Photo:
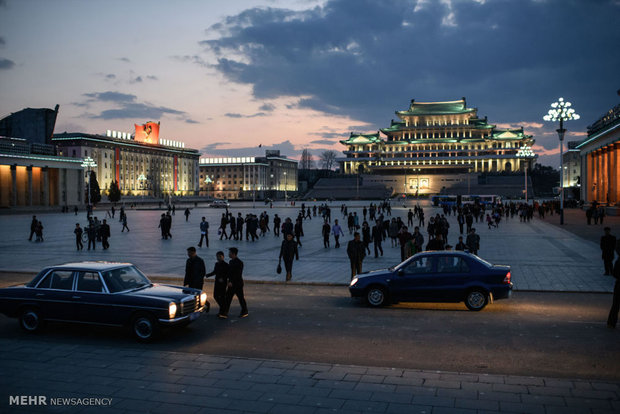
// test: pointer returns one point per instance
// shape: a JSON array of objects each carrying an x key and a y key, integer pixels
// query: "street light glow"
[{"x": 561, "y": 111}]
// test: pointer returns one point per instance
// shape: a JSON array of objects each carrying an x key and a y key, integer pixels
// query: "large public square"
[{"x": 307, "y": 346}]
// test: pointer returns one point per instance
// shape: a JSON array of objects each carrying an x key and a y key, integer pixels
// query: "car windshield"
[
  {"x": 124, "y": 278},
  {"x": 484, "y": 262}
]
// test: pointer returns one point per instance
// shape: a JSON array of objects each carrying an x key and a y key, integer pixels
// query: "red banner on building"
[{"x": 148, "y": 133}]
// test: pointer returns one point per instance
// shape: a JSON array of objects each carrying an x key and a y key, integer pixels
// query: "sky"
[{"x": 227, "y": 76}]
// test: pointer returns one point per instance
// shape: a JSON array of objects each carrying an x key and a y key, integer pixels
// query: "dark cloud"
[
  {"x": 331, "y": 135},
  {"x": 127, "y": 106},
  {"x": 110, "y": 76},
  {"x": 6, "y": 64},
  {"x": 267, "y": 107},
  {"x": 137, "y": 111},
  {"x": 124, "y": 59},
  {"x": 111, "y": 96},
  {"x": 236, "y": 115},
  {"x": 195, "y": 59},
  {"x": 152, "y": 77},
  {"x": 365, "y": 59},
  {"x": 286, "y": 148},
  {"x": 323, "y": 141},
  {"x": 2, "y": 41},
  {"x": 191, "y": 121},
  {"x": 137, "y": 79}
]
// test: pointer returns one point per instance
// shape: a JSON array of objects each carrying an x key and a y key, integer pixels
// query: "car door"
[
  {"x": 411, "y": 281},
  {"x": 92, "y": 302},
  {"x": 54, "y": 294}
]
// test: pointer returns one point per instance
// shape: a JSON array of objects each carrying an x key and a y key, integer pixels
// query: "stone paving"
[
  {"x": 142, "y": 380},
  {"x": 543, "y": 256}
]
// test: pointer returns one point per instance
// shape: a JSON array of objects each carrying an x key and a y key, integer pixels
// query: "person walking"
[
  {"x": 403, "y": 237},
  {"x": 377, "y": 238},
  {"x": 356, "y": 253},
  {"x": 187, "y": 213},
  {"x": 235, "y": 282},
  {"x": 288, "y": 252},
  {"x": 222, "y": 229},
  {"x": 91, "y": 232},
  {"x": 287, "y": 227},
  {"x": 78, "y": 236},
  {"x": 326, "y": 230},
  {"x": 460, "y": 245},
  {"x": 124, "y": 222},
  {"x": 612, "y": 319},
  {"x": 220, "y": 270},
  {"x": 204, "y": 235},
  {"x": 473, "y": 241},
  {"x": 195, "y": 270},
  {"x": 419, "y": 239},
  {"x": 104, "y": 231},
  {"x": 33, "y": 227},
  {"x": 366, "y": 236},
  {"x": 337, "y": 232},
  {"x": 168, "y": 225},
  {"x": 38, "y": 231},
  {"x": 608, "y": 245},
  {"x": 461, "y": 220},
  {"x": 410, "y": 218},
  {"x": 298, "y": 231},
  {"x": 239, "y": 226},
  {"x": 162, "y": 226},
  {"x": 276, "y": 225}
]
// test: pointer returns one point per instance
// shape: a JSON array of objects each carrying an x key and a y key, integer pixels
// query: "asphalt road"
[{"x": 538, "y": 334}]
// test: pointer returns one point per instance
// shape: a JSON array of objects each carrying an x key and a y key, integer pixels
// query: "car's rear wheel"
[
  {"x": 31, "y": 320},
  {"x": 144, "y": 327},
  {"x": 376, "y": 296},
  {"x": 476, "y": 299}
]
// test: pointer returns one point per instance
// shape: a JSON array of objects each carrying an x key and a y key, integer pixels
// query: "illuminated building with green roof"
[{"x": 434, "y": 143}]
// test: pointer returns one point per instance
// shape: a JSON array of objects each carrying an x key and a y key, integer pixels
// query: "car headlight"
[
  {"x": 203, "y": 299},
  {"x": 354, "y": 281},
  {"x": 172, "y": 310}
]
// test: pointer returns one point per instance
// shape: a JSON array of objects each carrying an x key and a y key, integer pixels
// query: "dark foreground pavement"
[{"x": 112, "y": 380}]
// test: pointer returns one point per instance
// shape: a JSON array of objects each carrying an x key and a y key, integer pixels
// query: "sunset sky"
[{"x": 225, "y": 76}]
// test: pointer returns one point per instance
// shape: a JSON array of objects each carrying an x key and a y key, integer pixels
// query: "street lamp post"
[
  {"x": 525, "y": 152},
  {"x": 561, "y": 111},
  {"x": 88, "y": 163},
  {"x": 142, "y": 179}
]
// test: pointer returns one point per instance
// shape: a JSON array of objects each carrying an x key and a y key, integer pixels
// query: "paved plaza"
[
  {"x": 543, "y": 256},
  {"x": 135, "y": 380}
]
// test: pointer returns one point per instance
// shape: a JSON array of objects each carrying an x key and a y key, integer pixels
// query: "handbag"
[{"x": 279, "y": 268}]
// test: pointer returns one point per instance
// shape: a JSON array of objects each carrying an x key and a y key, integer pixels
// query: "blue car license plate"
[{"x": 194, "y": 315}]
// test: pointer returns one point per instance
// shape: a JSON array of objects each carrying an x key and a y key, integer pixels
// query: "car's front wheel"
[
  {"x": 476, "y": 299},
  {"x": 30, "y": 320},
  {"x": 144, "y": 327},
  {"x": 376, "y": 296}
]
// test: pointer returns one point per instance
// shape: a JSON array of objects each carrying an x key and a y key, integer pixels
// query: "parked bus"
[{"x": 450, "y": 200}]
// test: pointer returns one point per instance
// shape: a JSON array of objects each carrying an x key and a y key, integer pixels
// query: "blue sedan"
[{"x": 435, "y": 276}]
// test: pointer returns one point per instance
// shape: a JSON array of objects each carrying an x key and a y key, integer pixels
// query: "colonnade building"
[
  {"x": 600, "y": 160},
  {"x": 140, "y": 164},
  {"x": 436, "y": 145}
]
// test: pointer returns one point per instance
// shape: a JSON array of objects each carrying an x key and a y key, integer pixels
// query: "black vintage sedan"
[
  {"x": 435, "y": 276},
  {"x": 103, "y": 293}
]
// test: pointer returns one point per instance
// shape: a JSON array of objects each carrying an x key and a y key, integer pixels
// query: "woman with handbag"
[{"x": 288, "y": 252}]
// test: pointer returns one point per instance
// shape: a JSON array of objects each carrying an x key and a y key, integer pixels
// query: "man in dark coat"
[
  {"x": 235, "y": 282},
  {"x": 91, "y": 232},
  {"x": 239, "y": 227},
  {"x": 33, "y": 227},
  {"x": 288, "y": 252},
  {"x": 204, "y": 232},
  {"x": 78, "y": 236},
  {"x": 220, "y": 270},
  {"x": 104, "y": 231},
  {"x": 612, "y": 320},
  {"x": 326, "y": 230},
  {"x": 276, "y": 225},
  {"x": 377, "y": 238},
  {"x": 194, "y": 270},
  {"x": 162, "y": 226},
  {"x": 473, "y": 241},
  {"x": 356, "y": 252},
  {"x": 287, "y": 227},
  {"x": 608, "y": 245}
]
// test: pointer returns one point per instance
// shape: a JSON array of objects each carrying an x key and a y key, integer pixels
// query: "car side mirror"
[{"x": 401, "y": 272}]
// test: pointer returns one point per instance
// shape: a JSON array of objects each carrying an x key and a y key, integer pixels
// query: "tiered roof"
[{"x": 437, "y": 108}]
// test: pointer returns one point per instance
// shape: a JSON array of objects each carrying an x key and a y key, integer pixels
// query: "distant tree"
[
  {"x": 95, "y": 191},
  {"x": 307, "y": 160},
  {"x": 327, "y": 159},
  {"x": 114, "y": 194}
]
